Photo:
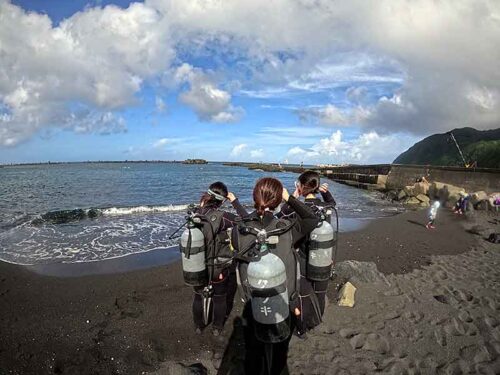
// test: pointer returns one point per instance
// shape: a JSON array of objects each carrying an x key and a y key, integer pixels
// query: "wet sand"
[{"x": 139, "y": 322}]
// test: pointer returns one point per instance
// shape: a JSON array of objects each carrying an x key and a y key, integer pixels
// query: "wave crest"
[{"x": 66, "y": 216}]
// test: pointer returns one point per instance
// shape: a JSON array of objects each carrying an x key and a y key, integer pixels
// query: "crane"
[{"x": 466, "y": 164}]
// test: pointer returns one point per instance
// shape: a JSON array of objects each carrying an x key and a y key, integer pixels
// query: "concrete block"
[
  {"x": 412, "y": 200},
  {"x": 421, "y": 188},
  {"x": 423, "y": 198},
  {"x": 409, "y": 191},
  {"x": 478, "y": 196},
  {"x": 401, "y": 195}
]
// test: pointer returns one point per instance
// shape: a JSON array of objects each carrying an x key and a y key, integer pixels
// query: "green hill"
[{"x": 480, "y": 146}]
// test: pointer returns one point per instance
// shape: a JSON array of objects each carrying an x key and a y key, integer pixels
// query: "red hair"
[{"x": 267, "y": 193}]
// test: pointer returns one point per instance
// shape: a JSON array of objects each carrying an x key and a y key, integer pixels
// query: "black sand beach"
[{"x": 140, "y": 322}]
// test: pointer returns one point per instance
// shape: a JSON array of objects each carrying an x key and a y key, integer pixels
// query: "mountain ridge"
[{"x": 480, "y": 146}]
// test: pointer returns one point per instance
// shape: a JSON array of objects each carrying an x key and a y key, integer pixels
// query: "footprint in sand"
[
  {"x": 414, "y": 317},
  {"x": 376, "y": 343},
  {"x": 358, "y": 341},
  {"x": 440, "y": 336}
]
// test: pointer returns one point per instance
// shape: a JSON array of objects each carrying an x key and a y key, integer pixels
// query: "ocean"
[{"x": 85, "y": 212}]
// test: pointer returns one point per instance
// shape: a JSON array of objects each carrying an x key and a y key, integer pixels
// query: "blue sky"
[{"x": 250, "y": 81}]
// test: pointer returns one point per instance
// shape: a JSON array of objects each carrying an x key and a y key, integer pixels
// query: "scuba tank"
[
  {"x": 267, "y": 282},
  {"x": 321, "y": 244},
  {"x": 192, "y": 246}
]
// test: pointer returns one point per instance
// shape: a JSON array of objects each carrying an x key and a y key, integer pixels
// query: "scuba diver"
[
  {"x": 268, "y": 270},
  {"x": 316, "y": 251},
  {"x": 214, "y": 281}
]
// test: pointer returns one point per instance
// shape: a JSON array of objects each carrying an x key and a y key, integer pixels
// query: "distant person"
[
  {"x": 215, "y": 307},
  {"x": 432, "y": 215},
  {"x": 312, "y": 293},
  {"x": 269, "y": 322},
  {"x": 422, "y": 179},
  {"x": 461, "y": 204}
]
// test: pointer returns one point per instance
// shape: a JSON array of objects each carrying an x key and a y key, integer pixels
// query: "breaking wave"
[{"x": 66, "y": 216}]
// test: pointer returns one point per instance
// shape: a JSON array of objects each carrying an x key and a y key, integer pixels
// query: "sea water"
[{"x": 85, "y": 212}]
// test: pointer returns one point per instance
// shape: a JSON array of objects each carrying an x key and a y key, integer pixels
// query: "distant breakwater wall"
[
  {"x": 471, "y": 179},
  {"x": 396, "y": 176},
  {"x": 393, "y": 176}
]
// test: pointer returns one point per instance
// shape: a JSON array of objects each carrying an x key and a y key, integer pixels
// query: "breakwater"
[{"x": 394, "y": 176}]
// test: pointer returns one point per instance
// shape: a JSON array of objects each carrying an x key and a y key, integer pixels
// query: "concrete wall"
[
  {"x": 399, "y": 176},
  {"x": 470, "y": 179}
]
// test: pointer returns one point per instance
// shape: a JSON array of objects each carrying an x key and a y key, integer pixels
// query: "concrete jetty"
[{"x": 395, "y": 176}]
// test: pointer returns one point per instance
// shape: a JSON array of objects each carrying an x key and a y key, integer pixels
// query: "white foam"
[{"x": 143, "y": 209}]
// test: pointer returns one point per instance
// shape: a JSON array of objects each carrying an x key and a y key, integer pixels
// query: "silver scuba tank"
[
  {"x": 320, "y": 256},
  {"x": 267, "y": 280},
  {"x": 192, "y": 246}
]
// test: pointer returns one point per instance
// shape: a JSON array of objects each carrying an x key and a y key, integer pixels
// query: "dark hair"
[
  {"x": 209, "y": 200},
  {"x": 267, "y": 193},
  {"x": 310, "y": 182}
]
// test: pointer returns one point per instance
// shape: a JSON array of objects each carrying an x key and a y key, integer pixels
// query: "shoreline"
[
  {"x": 140, "y": 321},
  {"x": 151, "y": 258}
]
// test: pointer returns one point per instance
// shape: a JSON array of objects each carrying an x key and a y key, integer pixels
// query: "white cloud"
[
  {"x": 258, "y": 153},
  {"x": 162, "y": 142},
  {"x": 366, "y": 148},
  {"x": 444, "y": 55},
  {"x": 209, "y": 102},
  {"x": 238, "y": 149},
  {"x": 100, "y": 123},
  {"x": 332, "y": 115},
  {"x": 95, "y": 61}
]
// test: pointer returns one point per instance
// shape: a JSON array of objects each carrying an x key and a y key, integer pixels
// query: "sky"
[{"x": 313, "y": 81}]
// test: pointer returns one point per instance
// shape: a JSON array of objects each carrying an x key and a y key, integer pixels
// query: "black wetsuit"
[
  {"x": 312, "y": 294},
  {"x": 223, "y": 280},
  {"x": 255, "y": 359}
]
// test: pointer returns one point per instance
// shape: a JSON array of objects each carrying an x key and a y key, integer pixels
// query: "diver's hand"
[
  {"x": 323, "y": 188},
  {"x": 231, "y": 197},
  {"x": 285, "y": 195}
]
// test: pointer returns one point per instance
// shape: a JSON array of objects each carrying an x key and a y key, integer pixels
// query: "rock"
[
  {"x": 423, "y": 198},
  {"x": 445, "y": 192},
  {"x": 409, "y": 191},
  {"x": 412, "y": 201},
  {"x": 478, "y": 196},
  {"x": 435, "y": 188},
  {"x": 347, "y": 295},
  {"x": 401, "y": 195},
  {"x": 421, "y": 188},
  {"x": 365, "y": 272},
  {"x": 392, "y": 195}
]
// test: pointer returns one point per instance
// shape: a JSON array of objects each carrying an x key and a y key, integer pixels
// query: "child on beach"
[
  {"x": 461, "y": 205},
  {"x": 432, "y": 215}
]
